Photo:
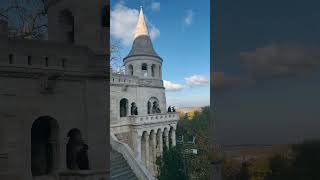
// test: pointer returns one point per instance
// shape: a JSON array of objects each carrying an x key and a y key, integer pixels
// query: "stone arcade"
[
  {"x": 139, "y": 121},
  {"x": 53, "y": 115}
]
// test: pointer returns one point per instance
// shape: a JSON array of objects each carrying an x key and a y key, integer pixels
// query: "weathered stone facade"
[
  {"x": 151, "y": 128},
  {"x": 49, "y": 88}
]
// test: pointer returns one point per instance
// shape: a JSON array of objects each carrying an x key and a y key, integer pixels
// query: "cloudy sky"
[
  {"x": 266, "y": 71},
  {"x": 180, "y": 31}
]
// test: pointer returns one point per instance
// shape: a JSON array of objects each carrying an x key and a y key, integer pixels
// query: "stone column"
[
  {"x": 149, "y": 71},
  {"x": 173, "y": 137},
  {"x": 146, "y": 149},
  {"x": 166, "y": 135},
  {"x": 63, "y": 153},
  {"x": 137, "y": 145},
  {"x": 160, "y": 145},
  {"x": 153, "y": 152}
]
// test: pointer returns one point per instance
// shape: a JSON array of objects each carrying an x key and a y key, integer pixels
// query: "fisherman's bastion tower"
[{"x": 139, "y": 122}]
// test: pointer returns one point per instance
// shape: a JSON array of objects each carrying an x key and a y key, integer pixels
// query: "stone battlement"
[{"x": 48, "y": 55}]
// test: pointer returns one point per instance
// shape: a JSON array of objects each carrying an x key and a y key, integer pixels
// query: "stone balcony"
[{"x": 145, "y": 120}]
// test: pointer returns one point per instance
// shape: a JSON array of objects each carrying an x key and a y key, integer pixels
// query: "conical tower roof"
[{"x": 142, "y": 45}]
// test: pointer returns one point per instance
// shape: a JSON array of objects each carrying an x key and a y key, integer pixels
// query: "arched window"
[
  {"x": 123, "y": 107},
  {"x": 66, "y": 19},
  {"x": 154, "y": 105},
  {"x": 134, "y": 109},
  {"x": 44, "y": 146},
  {"x": 160, "y": 71},
  {"x": 130, "y": 70},
  {"x": 153, "y": 67},
  {"x": 144, "y": 69}
]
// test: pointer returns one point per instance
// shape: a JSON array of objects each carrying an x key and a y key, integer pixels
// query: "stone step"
[
  {"x": 122, "y": 174},
  {"x": 119, "y": 168}
]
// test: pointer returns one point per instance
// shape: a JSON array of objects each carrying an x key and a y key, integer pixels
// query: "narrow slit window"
[
  {"x": 29, "y": 60},
  {"x": 10, "y": 58},
  {"x": 46, "y": 61}
]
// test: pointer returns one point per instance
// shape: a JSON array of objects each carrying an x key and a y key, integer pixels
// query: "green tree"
[{"x": 170, "y": 165}]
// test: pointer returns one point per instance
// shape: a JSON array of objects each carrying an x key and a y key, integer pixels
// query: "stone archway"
[{"x": 44, "y": 146}]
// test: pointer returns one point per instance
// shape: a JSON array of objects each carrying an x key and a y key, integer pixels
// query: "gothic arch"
[
  {"x": 144, "y": 69},
  {"x": 66, "y": 20},
  {"x": 44, "y": 145},
  {"x": 123, "y": 107}
]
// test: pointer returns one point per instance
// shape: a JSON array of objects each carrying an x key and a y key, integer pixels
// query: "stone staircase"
[{"x": 119, "y": 168}]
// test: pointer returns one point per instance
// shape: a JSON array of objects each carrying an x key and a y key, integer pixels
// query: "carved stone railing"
[
  {"x": 140, "y": 170},
  {"x": 137, "y": 120}
]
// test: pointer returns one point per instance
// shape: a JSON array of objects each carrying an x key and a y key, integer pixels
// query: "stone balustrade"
[
  {"x": 123, "y": 79},
  {"x": 148, "y": 119}
]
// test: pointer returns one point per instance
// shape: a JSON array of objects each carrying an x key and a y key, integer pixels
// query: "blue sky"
[
  {"x": 268, "y": 56},
  {"x": 180, "y": 32}
]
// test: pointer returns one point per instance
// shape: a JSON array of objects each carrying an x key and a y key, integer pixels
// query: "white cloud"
[
  {"x": 155, "y": 6},
  {"x": 170, "y": 86},
  {"x": 189, "y": 17},
  {"x": 197, "y": 80},
  {"x": 123, "y": 22}
]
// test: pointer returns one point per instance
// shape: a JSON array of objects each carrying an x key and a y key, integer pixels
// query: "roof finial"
[{"x": 141, "y": 28}]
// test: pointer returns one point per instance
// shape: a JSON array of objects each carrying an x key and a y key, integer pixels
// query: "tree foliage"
[
  {"x": 198, "y": 165},
  {"x": 26, "y": 18},
  {"x": 170, "y": 165},
  {"x": 301, "y": 164}
]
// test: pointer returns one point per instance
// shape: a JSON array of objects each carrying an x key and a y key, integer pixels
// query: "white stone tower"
[{"x": 142, "y": 60}]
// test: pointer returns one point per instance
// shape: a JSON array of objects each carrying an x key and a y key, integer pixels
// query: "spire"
[{"x": 141, "y": 28}]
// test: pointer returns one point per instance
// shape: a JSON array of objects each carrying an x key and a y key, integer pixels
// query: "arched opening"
[
  {"x": 164, "y": 139},
  {"x": 144, "y": 69},
  {"x": 134, "y": 109},
  {"x": 130, "y": 70},
  {"x": 123, "y": 107},
  {"x": 154, "y": 104},
  {"x": 170, "y": 137},
  {"x": 160, "y": 72},
  {"x": 44, "y": 146},
  {"x": 77, "y": 155},
  {"x": 153, "y": 68},
  {"x": 159, "y": 142},
  {"x": 66, "y": 20},
  {"x": 144, "y": 146},
  {"x": 149, "y": 107}
]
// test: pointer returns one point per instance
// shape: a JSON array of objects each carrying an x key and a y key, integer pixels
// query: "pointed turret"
[
  {"x": 142, "y": 45},
  {"x": 141, "y": 28}
]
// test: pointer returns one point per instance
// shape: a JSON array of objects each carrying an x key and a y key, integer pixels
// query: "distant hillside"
[{"x": 189, "y": 110}]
